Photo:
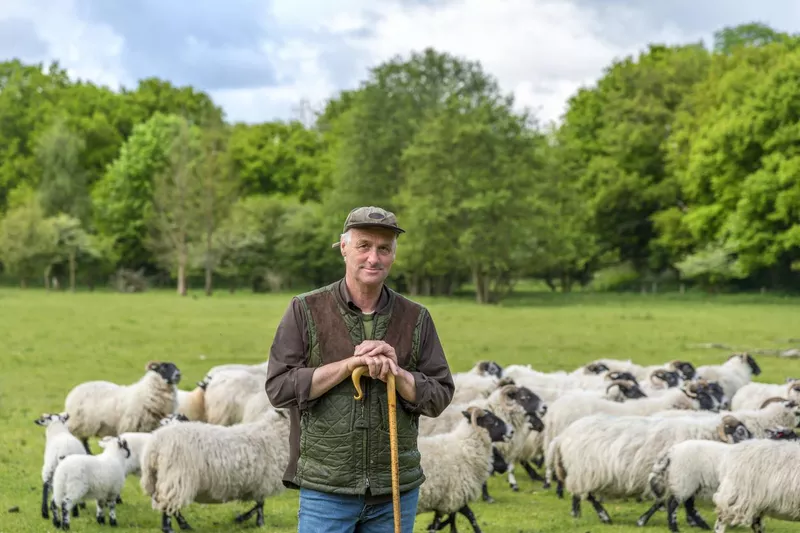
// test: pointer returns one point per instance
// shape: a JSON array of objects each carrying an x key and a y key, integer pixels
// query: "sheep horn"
[{"x": 617, "y": 383}]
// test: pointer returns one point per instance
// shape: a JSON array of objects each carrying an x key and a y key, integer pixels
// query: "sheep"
[
  {"x": 735, "y": 373},
  {"x": 485, "y": 368},
  {"x": 457, "y": 464},
  {"x": 192, "y": 403},
  {"x": 615, "y": 454},
  {"x": 690, "y": 469},
  {"x": 255, "y": 406},
  {"x": 610, "y": 455},
  {"x": 469, "y": 386},
  {"x": 753, "y": 394},
  {"x": 684, "y": 368},
  {"x": 575, "y": 406},
  {"x": 99, "y": 477},
  {"x": 259, "y": 369},
  {"x": 209, "y": 463},
  {"x": 59, "y": 443},
  {"x": 228, "y": 393},
  {"x": 758, "y": 479},
  {"x": 103, "y": 408},
  {"x": 137, "y": 440},
  {"x": 661, "y": 380}
]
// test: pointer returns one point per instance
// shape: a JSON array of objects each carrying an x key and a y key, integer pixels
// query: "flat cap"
[{"x": 370, "y": 217}]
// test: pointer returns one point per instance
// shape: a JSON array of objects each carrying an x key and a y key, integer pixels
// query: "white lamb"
[
  {"x": 759, "y": 479},
  {"x": 59, "y": 443},
  {"x": 100, "y": 477},
  {"x": 228, "y": 393},
  {"x": 614, "y": 455},
  {"x": 457, "y": 464},
  {"x": 754, "y": 394},
  {"x": 734, "y": 374},
  {"x": 103, "y": 408},
  {"x": 208, "y": 463}
]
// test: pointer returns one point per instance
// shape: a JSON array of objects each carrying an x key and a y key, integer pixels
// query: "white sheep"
[
  {"x": 753, "y": 394},
  {"x": 734, "y": 374},
  {"x": 615, "y": 454},
  {"x": 258, "y": 368},
  {"x": 136, "y": 443},
  {"x": 99, "y": 477},
  {"x": 569, "y": 408},
  {"x": 208, "y": 463},
  {"x": 759, "y": 479},
  {"x": 661, "y": 380},
  {"x": 457, "y": 464},
  {"x": 470, "y": 386},
  {"x": 690, "y": 469},
  {"x": 191, "y": 403},
  {"x": 59, "y": 443},
  {"x": 228, "y": 393},
  {"x": 103, "y": 408},
  {"x": 600, "y": 366}
]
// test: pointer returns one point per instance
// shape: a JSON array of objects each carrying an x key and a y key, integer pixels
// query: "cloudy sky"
[{"x": 259, "y": 59}]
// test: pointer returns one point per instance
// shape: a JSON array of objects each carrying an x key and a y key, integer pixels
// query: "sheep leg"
[
  {"x": 672, "y": 514},
  {"x": 166, "y": 524},
  {"x": 86, "y": 446},
  {"x": 182, "y": 523},
  {"x": 45, "y": 489},
  {"x": 598, "y": 508},
  {"x": 512, "y": 480},
  {"x": 119, "y": 499},
  {"x": 75, "y": 512},
  {"x": 466, "y": 511},
  {"x": 436, "y": 524},
  {"x": 112, "y": 512},
  {"x": 101, "y": 519},
  {"x": 82, "y": 505},
  {"x": 560, "y": 489},
  {"x": 576, "y": 506},
  {"x": 257, "y": 508},
  {"x": 757, "y": 526},
  {"x": 66, "y": 507},
  {"x": 533, "y": 474},
  {"x": 56, "y": 514},
  {"x": 693, "y": 518},
  {"x": 719, "y": 526},
  {"x": 647, "y": 515},
  {"x": 485, "y": 492}
]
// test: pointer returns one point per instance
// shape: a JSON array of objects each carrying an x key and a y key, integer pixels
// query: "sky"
[{"x": 259, "y": 60}]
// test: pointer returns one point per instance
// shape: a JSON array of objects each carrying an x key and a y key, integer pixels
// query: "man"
[{"x": 340, "y": 456}]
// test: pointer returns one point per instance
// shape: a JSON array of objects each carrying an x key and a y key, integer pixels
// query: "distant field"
[{"x": 51, "y": 342}]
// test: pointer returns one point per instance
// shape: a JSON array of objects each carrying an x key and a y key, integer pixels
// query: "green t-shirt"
[{"x": 369, "y": 325}]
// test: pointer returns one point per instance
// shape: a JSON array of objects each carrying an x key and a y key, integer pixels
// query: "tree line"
[{"x": 677, "y": 166}]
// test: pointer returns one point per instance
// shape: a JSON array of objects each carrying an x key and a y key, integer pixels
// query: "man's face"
[{"x": 369, "y": 255}]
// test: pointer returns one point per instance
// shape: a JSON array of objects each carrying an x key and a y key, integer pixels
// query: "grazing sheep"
[
  {"x": 457, "y": 464},
  {"x": 228, "y": 393},
  {"x": 753, "y": 394},
  {"x": 59, "y": 443},
  {"x": 192, "y": 404},
  {"x": 207, "y": 463},
  {"x": 734, "y": 374},
  {"x": 612, "y": 456},
  {"x": 758, "y": 479},
  {"x": 103, "y": 408},
  {"x": 99, "y": 477}
]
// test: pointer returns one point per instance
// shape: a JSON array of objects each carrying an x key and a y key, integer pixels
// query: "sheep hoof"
[
  {"x": 119, "y": 499},
  {"x": 515, "y": 488},
  {"x": 112, "y": 522},
  {"x": 101, "y": 519}
]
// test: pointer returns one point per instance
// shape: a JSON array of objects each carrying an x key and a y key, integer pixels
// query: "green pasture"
[{"x": 53, "y": 341}]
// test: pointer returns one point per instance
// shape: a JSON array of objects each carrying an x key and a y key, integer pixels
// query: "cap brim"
[{"x": 374, "y": 225}]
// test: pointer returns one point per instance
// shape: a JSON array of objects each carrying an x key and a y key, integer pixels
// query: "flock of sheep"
[{"x": 664, "y": 434}]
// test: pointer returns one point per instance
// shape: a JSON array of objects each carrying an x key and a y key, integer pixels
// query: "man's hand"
[{"x": 374, "y": 348}]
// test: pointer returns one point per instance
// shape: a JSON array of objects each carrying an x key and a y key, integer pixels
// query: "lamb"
[
  {"x": 690, "y": 470},
  {"x": 103, "y": 408},
  {"x": 208, "y": 463},
  {"x": 753, "y": 394},
  {"x": 758, "y": 479},
  {"x": 191, "y": 404},
  {"x": 615, "y": 454},
  {"x": 100, "y": 477},
  {"x": 59, "y": 443},
  {"x": 734, "y": 374},
  {"x": 457, "y": 464},
  {"x": 228, "y": 393},
  {"x": 136, "y": 443}
]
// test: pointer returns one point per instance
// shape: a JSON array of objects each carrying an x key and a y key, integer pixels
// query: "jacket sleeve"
[
  {"x": 288, "y": 379},
  {"x": 432, "y": 377}
]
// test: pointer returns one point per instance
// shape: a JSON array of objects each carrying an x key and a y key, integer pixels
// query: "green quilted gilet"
[{"x": 344, "y": 442}]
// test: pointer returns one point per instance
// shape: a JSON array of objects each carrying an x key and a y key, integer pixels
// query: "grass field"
[{"x": 51, "y": 342}]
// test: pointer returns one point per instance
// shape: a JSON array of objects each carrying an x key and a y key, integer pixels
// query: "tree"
[{"x": 28, "y": 241}]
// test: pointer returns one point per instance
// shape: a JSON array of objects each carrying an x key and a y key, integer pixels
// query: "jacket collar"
[{"x": 383, "y": 300}]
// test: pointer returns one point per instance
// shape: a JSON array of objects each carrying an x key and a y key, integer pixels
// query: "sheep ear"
[{"x": 153, "y": 365}]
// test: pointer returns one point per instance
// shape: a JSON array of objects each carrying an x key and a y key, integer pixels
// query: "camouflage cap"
[{"x": 370, "y": 217}]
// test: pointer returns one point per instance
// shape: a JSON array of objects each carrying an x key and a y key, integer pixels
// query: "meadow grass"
[{"x": 53, "y": 341}]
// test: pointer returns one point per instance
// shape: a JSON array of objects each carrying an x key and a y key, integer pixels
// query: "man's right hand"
[{"x": 379, "y": 365}]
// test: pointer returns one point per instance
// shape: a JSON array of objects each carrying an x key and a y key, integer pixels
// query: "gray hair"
[{"x": 346, "y": 236}]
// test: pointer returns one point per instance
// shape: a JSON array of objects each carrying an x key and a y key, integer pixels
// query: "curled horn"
[
  {"x": 616, "y": 382},
  {"x": 774, "y": 399},
  {"x": 476, "y": 412},
  {"x": 727, "y": 421},
  {"x": 658, "y": 373}
]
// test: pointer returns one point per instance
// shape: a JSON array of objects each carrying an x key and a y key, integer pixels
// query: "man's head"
[{"x": 368, "y": 244}]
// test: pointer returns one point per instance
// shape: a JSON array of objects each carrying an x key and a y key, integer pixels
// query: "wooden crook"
[{"x": 391, "y": 394}]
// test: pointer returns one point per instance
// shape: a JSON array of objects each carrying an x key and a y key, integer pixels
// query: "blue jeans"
[{"x": 321, "y": 512}]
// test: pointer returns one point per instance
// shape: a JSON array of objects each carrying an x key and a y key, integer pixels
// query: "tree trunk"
[
  {"x": 23, "y": 283},
  {"x": 182, "y": 260},
  {"x": 481, "y": 286},
  {"x": 47, "y": 277},
  {"x": 566, "y": 282},
  {"x": 72, "y": 270}
]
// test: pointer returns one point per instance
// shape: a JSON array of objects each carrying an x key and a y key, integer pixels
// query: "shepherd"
[{"x": 341, "y": 449}]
